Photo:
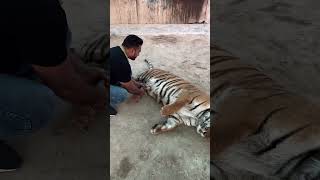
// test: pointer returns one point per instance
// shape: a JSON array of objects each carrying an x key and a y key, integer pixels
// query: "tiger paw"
[{"x": 157, "y": 129}]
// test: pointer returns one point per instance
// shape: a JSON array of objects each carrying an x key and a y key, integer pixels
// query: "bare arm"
[
  {"x": 133, "y": 88},
  {"x": 68, "y": 84}
]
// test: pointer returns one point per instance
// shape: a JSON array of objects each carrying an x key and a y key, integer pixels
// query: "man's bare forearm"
[
  {"x": 68, "y": 84},
  {"x": 136, "y": 91},
  {"x": 132, "y": 88},
  {"x": 80, "y": 92},
  {"x": 136, "y": 83}
]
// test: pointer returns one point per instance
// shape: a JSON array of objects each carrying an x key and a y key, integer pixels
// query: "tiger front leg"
[
  {"x": 166, "y": 125},
  {"x": 170, "y": 109}
]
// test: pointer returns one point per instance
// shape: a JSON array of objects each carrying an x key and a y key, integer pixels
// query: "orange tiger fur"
[
  {"x": 183, "y": 102},
  {"x": 258, "y": 125}
]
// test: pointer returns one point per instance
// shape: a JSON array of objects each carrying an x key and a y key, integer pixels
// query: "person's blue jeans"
[
  {"x": 25, "y": 105},
  {"x": 117, "y": 95}
]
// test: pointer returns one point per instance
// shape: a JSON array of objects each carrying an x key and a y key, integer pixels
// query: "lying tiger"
[
  {"x": 259, "y": 127},
  {"x": 183, "y": 102}
]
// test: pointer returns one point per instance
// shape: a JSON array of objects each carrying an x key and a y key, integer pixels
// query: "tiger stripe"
[
  {"x": 259, "y": 126},
  {"x": 167, "y": 88}
]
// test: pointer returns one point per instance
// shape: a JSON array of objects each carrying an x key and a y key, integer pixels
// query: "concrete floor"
[
  {"x": 181, "y": 154},
  {"x": 280, "y": 37},
  {"x": 70, "y": 155}
]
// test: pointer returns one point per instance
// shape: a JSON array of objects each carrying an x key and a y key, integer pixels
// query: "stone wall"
[{"x": 159, "y": 11}]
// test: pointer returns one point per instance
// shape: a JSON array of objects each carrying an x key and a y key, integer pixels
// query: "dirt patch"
[
  {"x": 164, "y": 39},
  {"x": 125, "y": 168}
]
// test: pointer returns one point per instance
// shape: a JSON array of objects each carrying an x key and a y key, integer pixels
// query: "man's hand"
[
  {"x": 135, "y": 98},
  {"x": 133, "y": 88},
  {"x": 138, "y": 84},
  {"x": 94, "y": 76},
  {"x": 84, "y": 115}
]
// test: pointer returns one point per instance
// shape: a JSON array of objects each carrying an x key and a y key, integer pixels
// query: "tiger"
[
  {"x": 183, "y": 102},
  {"x": 260, "y": 128}
]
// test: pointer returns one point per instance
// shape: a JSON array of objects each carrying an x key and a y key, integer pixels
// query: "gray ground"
[
  {"x": 281, "y": 37},
  {"x": 181, "y": 154},
  {"x": 71, "y": 155}
]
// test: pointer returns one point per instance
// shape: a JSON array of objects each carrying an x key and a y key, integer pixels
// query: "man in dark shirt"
[
  {"x": 37, "y": 69},
  {"x": 121, "y": 82}
]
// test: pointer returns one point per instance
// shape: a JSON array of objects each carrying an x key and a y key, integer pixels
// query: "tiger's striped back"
[{"x": 168, "y": 88}]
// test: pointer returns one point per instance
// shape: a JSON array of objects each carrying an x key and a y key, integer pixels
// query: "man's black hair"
[{"x": 132, "y": 41}]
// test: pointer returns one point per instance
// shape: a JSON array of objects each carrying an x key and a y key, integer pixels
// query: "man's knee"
[
  {"x": 118, "y": 94},
  {"x": 19, "y": 121},
  {"x": 123, "y": 94},
  {"x": 26, "y": 109},
  {"x": 47, "y": 106}
]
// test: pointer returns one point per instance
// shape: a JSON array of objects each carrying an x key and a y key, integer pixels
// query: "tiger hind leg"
[{"x": 166, "y": 125}]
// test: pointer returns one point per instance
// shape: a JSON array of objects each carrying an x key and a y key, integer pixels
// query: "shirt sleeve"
[{"x": 41, "y": 33}]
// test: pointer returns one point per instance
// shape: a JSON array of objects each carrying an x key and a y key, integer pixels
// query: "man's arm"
[
  {"x": 90, "y": 74},
  {"x": 68, "y": 84},
  {"x": 133, "y": 88},
  {"x": 138, "y": 84}
]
